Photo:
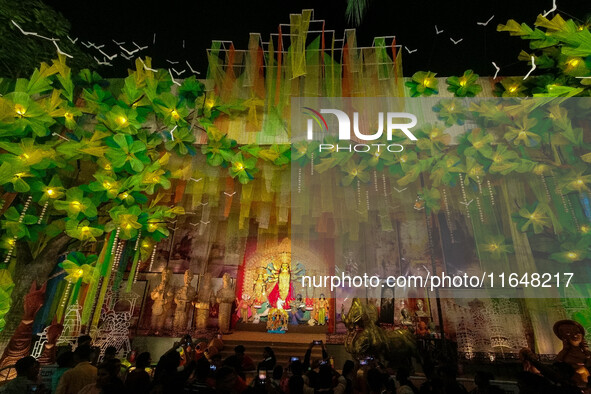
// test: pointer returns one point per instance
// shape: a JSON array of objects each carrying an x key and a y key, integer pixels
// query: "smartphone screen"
[{"x": 262, "y": 375}]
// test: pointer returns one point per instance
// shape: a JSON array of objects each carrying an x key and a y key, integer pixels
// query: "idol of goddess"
[
  {"x": 203, "y": 301},
  {"x": 243, "y": 310},
  {"x": 163, "y": 297},
  {"x": 259, "y": 290},
  {"x": 283, "y": 289},
  {"x": 321, "y": 310},
  {"x": 225, "y": 297},
  {"x": 183, "y": 298}
]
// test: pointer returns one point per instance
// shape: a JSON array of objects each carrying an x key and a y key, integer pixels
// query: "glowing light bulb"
[
  {"x": 579, "y": 182},
  {"x": 462, "y": 82},
  {"x": 175, "y": 115},
  {"x": 354, "y": 172},
  {"x": 573, "y": 62},
  {"x": 68, "y": 116},
  {"x": 20, "y": 110},
  {"x": 19, "y": 175},
  {"x": 585, "y": 229},
  {"x": 239, "y": 166},
  {"x": 79, "y": 273},
  {"x": 106, "y": 185},
  {"x": 75, "y": 204},
  {"x": 533, "y": 217},
  {"x": 572, "y": 255},
  {"x": 11, "y": 242},
  {"x": 85, "y": 229},
  {"x": 128, "y": 226},
  {"x": 512, "y": 89},
  {"x": 108, "y": 167},
  {"x": 124, "y": 195},
  {"x": 426, "y": 82},
  {"x": 122, "y": 120},
  {"x": 494, "y": 246},
  {"x": 50, "y": 192},
  {"x": 145, "y": 244}
]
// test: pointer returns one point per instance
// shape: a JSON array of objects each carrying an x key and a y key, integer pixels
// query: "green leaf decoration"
[
  {"x": 423, "y": 83},
  {"x": 464, "y": 86}
]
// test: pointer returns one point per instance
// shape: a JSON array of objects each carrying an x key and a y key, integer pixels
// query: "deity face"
[
  {"x": 285, "y": 266},
  {"x": 420, "y": 305}
]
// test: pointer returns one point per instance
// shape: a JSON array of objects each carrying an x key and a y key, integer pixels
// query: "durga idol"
[{"x": 283, "y": 289}]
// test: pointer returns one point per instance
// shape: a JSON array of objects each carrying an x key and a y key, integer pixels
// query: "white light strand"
[
  {"x": 43, "y": 212},
  {"x": 137, "y": 241},
  {"x": 299, "y": 180},
  {"x": 464, "y": 195},
  {"x": 312, "y": 164},
  {"x": 152, "y": 259},
  {"x": 375, "y": 180},
  {"x": 490, "y": 190}
]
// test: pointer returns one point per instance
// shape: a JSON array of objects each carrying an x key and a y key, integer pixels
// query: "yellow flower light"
[
  {"x": 152, "y": 226},
  {"x": 79, "y": 273},
  {"x": 19, "y": 175},
  {"x": 354, "y": 172},
  {"x": 108, "y": 167},
  {"x": 209, "y": 103},
  {"x": 239, "y": 166},
  {"x": 573, "y": 62},
  {"x": 20, "y": 110},
  {"x": 585, "y": 229},
  {"x": 122, "y": 120},
  {"x": 85, "y": 229},
  {"x": 463, "y": 82},
  {"x": 493, "y": 247},
  {"x": 513, "y": 88},
  {"x": 175, "y": 115},
  {"x": 50, "y": 192},
  {"x": 106, "y": 185},
  {"x": 572, "y": 255},
  {"x": 69, "y": 116},
  {"x": 124, "y": 195},
  {"x": 11, "y": 242},
  {"x": 75, "y": 205}
]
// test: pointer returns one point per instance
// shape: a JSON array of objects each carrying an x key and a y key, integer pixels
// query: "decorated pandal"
[{"x": 236, "y": 259}]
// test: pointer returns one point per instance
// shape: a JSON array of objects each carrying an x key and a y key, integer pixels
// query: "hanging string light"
[
  {"x": 152, "y": 259},
  {"x": 384, "y": 184},
  {"x": 464, "y": 195},
  {"x": 299, "y": 180},
  {"x": 375, "y": 180},
  {"x": 20, "y": 220},
  {"x": 490, "y": 191},
  {"x": 43, "y": 212},
  {"x": 312, "y": 164}
]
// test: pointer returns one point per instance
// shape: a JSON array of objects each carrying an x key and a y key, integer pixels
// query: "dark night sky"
[{"x": 412, "y": 22}]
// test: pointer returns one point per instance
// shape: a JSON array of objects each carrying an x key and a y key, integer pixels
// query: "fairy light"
[
  {"x": 543, "y": 179},
  {"x": 137, "y": 241},
  {"x": 481, "y": 214},
  {"x": 367, "y": 199},
  {"x": 462, "y": 82},
  {"x": 358, "y": 194},
  {"x": 490, "y": 191},
  {"x": 479, "y": 184},
  {"x": 137, "y": 271},
  {"x": 572, "y": 255},
  {"x": 122, "y": 120},
  {"x": 512, "y": 88},
  {"x": 312, "y": 163},
  {"x": 43, "y": 212},
  {"x": 152, "y": 259},
  {"x": 384, "y": 184},
  {"x": 20, "y": 220},
  {"x": 175, "y": 115},
  {"x": 50, "y": 192},
  {"x": 299, "y": 180},
  {"x": 20, "y": 110},
  {"x": 464, "y": 195},
  {"x": 239, "y": 166},
  {"x": 66, "y": 296},
  {"x": 375, "y": 180}
]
